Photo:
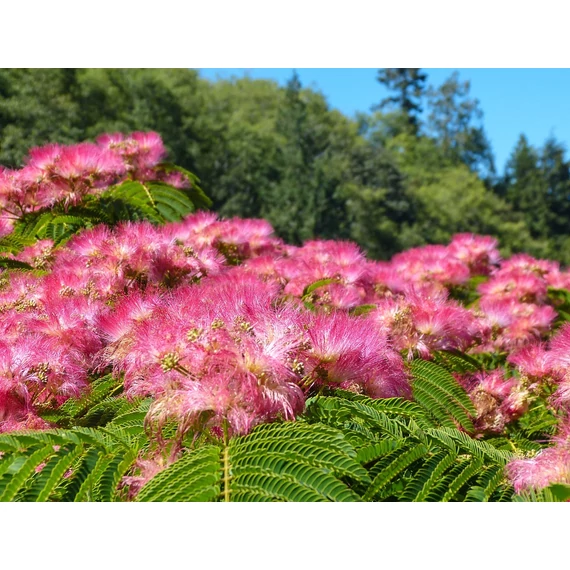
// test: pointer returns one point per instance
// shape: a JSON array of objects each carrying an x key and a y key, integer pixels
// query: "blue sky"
[{"x": 535, "y": 102}]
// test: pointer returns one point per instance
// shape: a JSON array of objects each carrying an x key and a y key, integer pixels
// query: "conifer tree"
[
  {"x": 409, "y": 87},
  {"x": 455, "y": 121}
]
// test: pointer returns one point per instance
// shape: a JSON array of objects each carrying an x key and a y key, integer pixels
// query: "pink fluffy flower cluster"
[
  {"x": 538, "y": 364},
  {"x": 210, "y": 318},
  {"x": 514, "y": 305},
  {"x": 225, "y": 326},
  {"x": 166, "y": 308},
  {"x": 66, "y": 174}
]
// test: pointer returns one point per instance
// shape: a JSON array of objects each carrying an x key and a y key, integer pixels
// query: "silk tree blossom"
[
  {"x": 38, "y": 255},
  {"x": 139, "y": 151},
  {"x": 432, "y": 264},
  {"x": 6, "y": 226},
  {"x": 36, "y": 371},
  {"x": 498, "y": 400},
  {"x": 383, "y": 280},
  {"x": 421, "y": 323},
  {"x": 514, "y": 303},
  {"x": 551, "y": 465},
  {"x": 479, "y": 253},
  {"x": 517, "y": 285},
  {"x": 209, "y": 317},
  {"x": 559, "y": 353},
  {"x": 239, "y": 239},
  {"x": 558, "y": 358},
  {"x": 58, "y": 174},
  {"x": 526, "y": 263},
  {"x": 534, "y": 364},
  {"x": 12, "y": 193},
  {"x": 342, "y": 263},
  {"x": 66, "y": 173},
  {"x": 347, "y": 352},
  {"x": 510, "y": 324},
  {"x": 219, "y": 347},
  {"x": 558, "y": 279}
]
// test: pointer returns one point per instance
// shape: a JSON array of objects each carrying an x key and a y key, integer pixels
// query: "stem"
[
  {"x": 512, "y": 446},
  {"x": 226, "y": 463},
  {"x": 149, "y": 195}
]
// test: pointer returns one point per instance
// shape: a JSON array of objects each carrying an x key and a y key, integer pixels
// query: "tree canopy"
[{"x": 414, "y": 171}]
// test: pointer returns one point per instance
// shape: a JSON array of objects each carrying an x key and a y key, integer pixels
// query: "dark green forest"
[{"x": 414, "y": 170}]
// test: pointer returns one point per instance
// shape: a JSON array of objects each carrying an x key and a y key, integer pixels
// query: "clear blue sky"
[{"x": 535, "y": 102}]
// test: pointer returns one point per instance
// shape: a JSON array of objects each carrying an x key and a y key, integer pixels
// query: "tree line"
[{"x": 414, "y": 170}]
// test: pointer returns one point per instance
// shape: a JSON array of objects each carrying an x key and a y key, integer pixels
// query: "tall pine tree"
[
  {"x": 409, "y": 87},
  {"x": 455, "y": 121}
]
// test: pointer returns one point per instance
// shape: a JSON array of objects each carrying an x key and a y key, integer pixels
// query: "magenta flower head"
[
  {"x": 431, "y": 263},
  {"x": 533, "y": 361},
  {"x": 43, "y": 159},
  {"x": 139, "y": 152},
  {"x": 479, "y": 253},
  {"x": 351, "y": 353},
  {"x": 551, "y": 465}
]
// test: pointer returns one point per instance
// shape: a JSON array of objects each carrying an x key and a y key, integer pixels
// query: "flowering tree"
[{"x": 151, "y": 352}]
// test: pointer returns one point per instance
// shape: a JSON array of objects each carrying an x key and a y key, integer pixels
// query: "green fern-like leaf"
[
  {"x": 555, "y": 493},
  {"x": 27, "y": 468},
  {"x": 277, "y": 462},
  {"x": 197, "y": 196},
  {"x": 196, "y": 476},
  {"x": 66, "y": 465},
  {"x": 409, "y": 460},
  {"x": 99, "y": 390},
  {"x": 14, "y": 242},
  {"x": 7, "y": 263},
  {"x": 403, "y": 459},
  {"x": 428, "y": 475},
  {"x": 455, "y": 361},
  {"x": 437, "y": 390},
  {"x": 53, "y": 473},
  {"x": 488, "y": 482},
  {"x": 172, "y": 204},
  {"x": 471, "y": 468}
]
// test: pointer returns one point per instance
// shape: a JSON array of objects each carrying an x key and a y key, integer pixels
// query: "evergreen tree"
[
  {"x": 525, "y": 187},
  {"x": 292, "y": 199},
  {"x": 409, "y": 86},
  {"x": 556, "y": 174},
  {"x": 455, "y": 121}
]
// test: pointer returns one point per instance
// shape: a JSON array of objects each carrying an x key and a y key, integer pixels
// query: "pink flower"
[
  {"x": 431, "y": 263},
  {"x": 497, "y": 400},
  {"x": 516, "y": 285},
  {"x": 347, "y": 352},
  {"x": 551, "y": 465},
  {"x": 533, "y": 360},
  {"x": 479, "y": 253}
]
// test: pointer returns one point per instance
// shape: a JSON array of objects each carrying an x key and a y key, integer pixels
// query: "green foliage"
[
  {"x": 84, "y": 462},
  {"x": 556, "y": 493},
  {"x": 409, "y": 455},
  {"x": 456, "y": 361},
  {"x": 536, "y": 182},
  {"x": 387, "y": 181},
  {"x": 436, "y": 389},
  {"x": 67, "y": 465},
  {"x": 408, "y": 85},
  {"x": 275, "y": 462},
  {"x": 196, "y": 476},
  {"x": 560, "y": 300},
  {"x": 454, "y": 121},
  {"x": 129, "y": 201},
  {"x": 348, "y": 447}
]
